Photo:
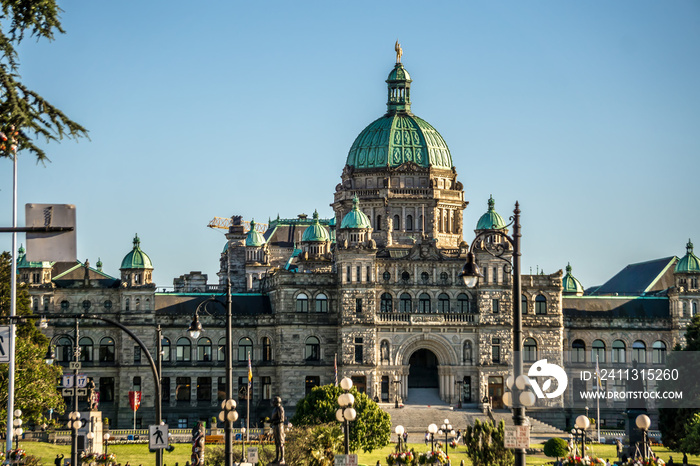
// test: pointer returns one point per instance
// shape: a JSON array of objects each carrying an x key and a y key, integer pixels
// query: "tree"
[
  {"x": 673, "y": 420},
  {"x": 485, "y": 444},
  {"x": 691, "y": 441},
  {"x": 35, "y": 381},
  {"x": 24, "y": 114},
  {"x": 556, "y": 447},
  {"x": 370, "y": 430}
]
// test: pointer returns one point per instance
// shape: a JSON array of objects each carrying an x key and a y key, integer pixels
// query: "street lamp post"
[
  {"x": 399, "y": 434},
  {"x": 76, "y": 423},
  {"x": 470, "y": 275},
  {"x": 643, "y": 423},
  {"x": 446, "y": 428},
  {"x": 346, "y": 412},
  {"x": 228, "y": 416},
  {"x": 582, "y": 424},
  {"x": 106, "y": 438},
  {"x": 432, "y": 430},
  {"x": 17, "y": 424}
]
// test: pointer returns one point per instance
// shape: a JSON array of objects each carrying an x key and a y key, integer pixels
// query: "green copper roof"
[
  {"x": 254, "y": 238},
  {"x": 491, "y": 220},
  {"x": 569, "y": 283},
  {"x": 136, "y": 259},
  {"x": 315, "y": 232},
  {"x": 355, "y": 218},
  {"x": 690, "y": 262},
  {"x": 23, "y": 263},
  {"x": 399, "y": 136}
]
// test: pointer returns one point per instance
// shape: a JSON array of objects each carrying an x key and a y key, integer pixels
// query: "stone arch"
[{"x": 439, "y": 345}]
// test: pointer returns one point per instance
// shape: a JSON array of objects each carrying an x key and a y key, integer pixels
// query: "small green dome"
[
  {"x": 690, "y": 262},
  {"x": 399, "y": 136},
  {"x": 491, "y": 220},
  {"x": 355, "y": 218},
  {"x": 315, "y": 232},
  {"x": 254, "y": 238},
  {"x": 570, "y": 284},
  {"x": 136, "y": 259}
]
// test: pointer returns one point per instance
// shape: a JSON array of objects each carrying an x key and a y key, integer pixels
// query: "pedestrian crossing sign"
[{"x": 158, "y": 437}]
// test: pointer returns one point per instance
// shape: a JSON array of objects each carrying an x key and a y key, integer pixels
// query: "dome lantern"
[
  {"x": 315, "y": 233},
  {"x": 355, "y": 218},
  {"x": 254, "y": 238},
  {"x": 570, "y": 284},
  {"x": 491, "y": 220},
  {"x": 688, "y": 263}
]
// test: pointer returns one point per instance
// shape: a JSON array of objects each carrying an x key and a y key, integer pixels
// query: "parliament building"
[{"x": 373, "y": 293}]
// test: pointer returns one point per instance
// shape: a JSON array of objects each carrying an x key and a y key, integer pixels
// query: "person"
[
  {"x": 58, "y": 460},
  {"x": 427, "y": 438},
  {"x": 405, "y": 437},
  {"x": 607, "y": 462},
  {"x": 685, "y": 459},
  {"x": 277, "y": 421},
  {"x": 459, "y": 435},
  {"x": 670, "y": 461}
]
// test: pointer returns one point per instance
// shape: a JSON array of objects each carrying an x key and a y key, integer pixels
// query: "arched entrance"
[{"x": 423, "y": 370}]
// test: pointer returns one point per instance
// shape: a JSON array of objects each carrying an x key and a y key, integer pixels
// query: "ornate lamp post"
[
  {"x": 582, "y": 424},
  {"x": 228, "y": 416},
  {"x": 106, "y": 438},
  {"x": 346, "y": 412},
  {"x": 399, "y": 434},
  {"x": 643, "y": 423},
  {"x": 432, "y": 430},
  {"x": 470, "y": 275},
  {"x": 91, "y": 438},
  {"x": 446, "y": 428},
  {"x": 17, "y": 431}
]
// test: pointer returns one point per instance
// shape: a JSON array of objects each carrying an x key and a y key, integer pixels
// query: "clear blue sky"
[{"x": 588, "y": 113}]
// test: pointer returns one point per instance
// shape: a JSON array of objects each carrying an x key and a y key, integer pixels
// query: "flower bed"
[
  {"x": 645, "y": 462},
  {"x": 433, "y": 457},
  {"x": 404, "y": 457},
  {"x": 17, "y": 455},
  {"x": 582, "y": 461}
]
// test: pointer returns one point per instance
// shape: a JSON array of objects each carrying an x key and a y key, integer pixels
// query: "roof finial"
[
  {"x": 568, "y": 267},
  {"x": 492, "y": 203},
  {"x": 399, "y": 51},
  {"x": 137, "y": 241},
  {"x": 689, "y": 246}
]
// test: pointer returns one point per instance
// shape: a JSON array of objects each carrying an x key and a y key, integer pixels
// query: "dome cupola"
[
  {"x": 355, "y": 218},
  {"x": 570, "y": 284},
  {"x": 491, "y": 220},
  {"x": 315, "y": 233},
  {"x": 254, "y": 238},
  {"x": 688, "y": 263},
  {"x": 136, "y": 259}
]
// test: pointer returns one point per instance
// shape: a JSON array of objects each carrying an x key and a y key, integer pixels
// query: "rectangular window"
[
  {"x": 165, "y": 389},
  {"x": 136, "y": 384},
  {"x": 358, "y": 351},
  {"x": 182, "y": 423},
  {"x": 358, "y": 305},
  {"x": 221, "y": 388},
  {"x": 203, "y": 388},
  {"x": 360, "y": 383},
  {"x": 349, "y": 275},
  {"x": 579, "y": 387},
  {"x": 106, "y": 389},
  {"x": 369, "y": 274},
  {"x": 312, "y": 381},
  {"x": 183, "y": 389},
  {"x": 494, "y": 275},
  {"x": 137, "y": 355},
  {"x": 359, "y": 273},
  {"x": 243, "y": 388},
  {"x": 496, "y": 351},
  {"x": 266, "y": 388},
  {"x": 494, "y": 306}
]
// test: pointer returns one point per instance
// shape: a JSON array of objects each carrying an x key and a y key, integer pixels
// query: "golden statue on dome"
[{"x": 399, "y": 51}]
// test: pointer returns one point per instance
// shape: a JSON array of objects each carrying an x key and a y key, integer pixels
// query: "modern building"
[{"x": 373, "y": 291}]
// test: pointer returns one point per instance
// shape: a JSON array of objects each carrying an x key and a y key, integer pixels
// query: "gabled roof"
[
  {"x": 186, "y": 304},
  {"x": 601, "y": 307},
  {"x": 70, "y": 273},
  {"x": 648, "y": 277}
]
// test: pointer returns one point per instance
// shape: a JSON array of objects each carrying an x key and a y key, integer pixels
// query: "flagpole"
[
  {"x": 247, "y": 417},
  {"x": 335, "y": 365},
  {"x": 597, "y": 399}
]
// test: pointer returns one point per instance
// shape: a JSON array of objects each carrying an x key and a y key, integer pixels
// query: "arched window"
[
  {"x": 204, "y": 349},
  {"x": 86, "y": 349},
  {"x": 658, "y": 352},
  {"x": 245, "y": 346},
  {"x": 64, "y": 349},
  {"x": 639, "y": 352},
  {"x": 321, "y": 303},
  {"x": 405, "y": 276},
  {"x": 138, "y": 304},
  {"x": 302, "y": 303},
  {"x": 386, "y": 303},
  {"x": 409, "y": 222},
  {"x": 695, "y": 309},
  {"x": 578, "y": 351},
  {"x": 529, "y": 350},
  {"x": 444, "y": 278},
  {"x": 165, "y": 347},
  {"x": 540, "y": 305},
  {"x": 266, "y": 349},
  {"x": 127, "y": 304},
  {"x": 684, "y": 312},
  {"x": 420, "y": 223},
  {"x": 183, "y": 350},
  {"x": 397, "y": 222},
  {"x": 618, "y": 352},
  {"x": 463, "y": 303},
  {"x": 523, "y": 305},
  {"x": 405, "y": 304},
  {"x": 424, "y": 303},
  {"x": 106, "y": 350},
  {"x": 221, "y": 350},
  {"x": 312, "y": 349},
  {"x": 443, "y": 303},
  {"x": 598, "y": 351}
]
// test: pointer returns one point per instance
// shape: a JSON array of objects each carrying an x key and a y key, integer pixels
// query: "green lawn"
[{"x": 139, "y": 455}]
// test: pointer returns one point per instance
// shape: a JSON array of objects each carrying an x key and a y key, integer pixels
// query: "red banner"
[{"x": 134, "y": 400}]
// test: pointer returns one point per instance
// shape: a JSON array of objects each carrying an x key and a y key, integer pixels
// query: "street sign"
[
  {"x": 67, "y": 381},
  {"x": 5, "y": 343},
  {"x": 67, "y": 392},
  {"x": 52, "y": 246},
  {"x": 253, "y": 455},
  {"x": 157, "y": 437},
  {"x": 517, "y": 437},
  {"x": 74, "y": 365},
  {"x": 346, "y": 460},
  {"x": 82, "y": 381},
  {"x": 82, "y": 391}
]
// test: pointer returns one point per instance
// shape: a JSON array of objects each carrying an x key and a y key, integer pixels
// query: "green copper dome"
[
  {"x": 254, "y": 238},
  {"x": 355, "y": 218},
  {"x": 570, "y": 284},
  {"x": 690, "y": 262},
  {"x": 136, "y": 259},
  {"x": 491, "y": 220},
  {"x": 315, "y": 232},
  {"x": 399, "y": 136}
]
